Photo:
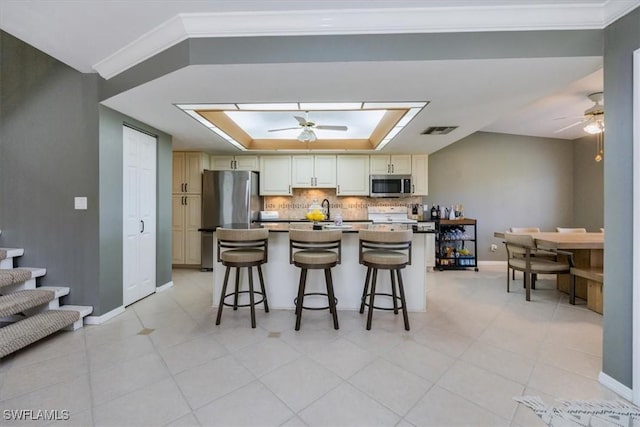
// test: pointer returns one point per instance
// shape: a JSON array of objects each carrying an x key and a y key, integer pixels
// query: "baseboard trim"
[
  {"x": 492, "y": 263},
  {"x": 164, "y": 287},
  {"x": 98, "y": 320},
  {"x": 615, "y": 386}
]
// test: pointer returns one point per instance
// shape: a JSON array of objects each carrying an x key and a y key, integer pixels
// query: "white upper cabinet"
[
  {"x": 275, "y": 176},
  {"x": 399, "y": 164},
  {"x": 352, "y": 174},
  {"x": 420, "y": 174},
  {"x": 187, "y": 171},
  {"x": 313, "y": 171},
  {"x": 241, "y": 163}
]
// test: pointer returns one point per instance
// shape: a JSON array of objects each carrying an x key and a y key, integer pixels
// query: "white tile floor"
[{"x": 461, "y": 363}]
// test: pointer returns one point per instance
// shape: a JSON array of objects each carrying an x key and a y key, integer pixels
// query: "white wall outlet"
[
  {"x": 80, "y": 203},
  {"x": 494, "y": 247}
]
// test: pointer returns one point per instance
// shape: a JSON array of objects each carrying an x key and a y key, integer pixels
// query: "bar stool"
[
  {"x": 384, "y": 250},
  {"x": 242, "y": 248},
  {"x": 315, "y": 250}
]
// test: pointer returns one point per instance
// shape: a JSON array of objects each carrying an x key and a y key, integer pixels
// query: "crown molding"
[{"x": 363, "y": 21}]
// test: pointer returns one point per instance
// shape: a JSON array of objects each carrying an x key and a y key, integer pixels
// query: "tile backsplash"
[{"x": 350, "y": 207}]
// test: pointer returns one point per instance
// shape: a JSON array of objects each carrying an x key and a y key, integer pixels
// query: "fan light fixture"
[
  {"x": 307, "y": 135},
  {"x": 594, "y": 126}
]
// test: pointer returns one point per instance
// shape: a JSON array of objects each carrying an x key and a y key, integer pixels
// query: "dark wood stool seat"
[
  {"x": 385, "y": 250},
  {"x": 315, "y": 250},
  {"x": 242, "y": 248}
]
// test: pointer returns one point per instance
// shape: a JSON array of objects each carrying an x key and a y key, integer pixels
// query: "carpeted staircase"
[{"x": 28, "y": 312}]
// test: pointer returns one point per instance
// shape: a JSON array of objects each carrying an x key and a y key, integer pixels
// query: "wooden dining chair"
[
  {"x": 520, "y": 250},
  {"x": 570, "y": 230}
]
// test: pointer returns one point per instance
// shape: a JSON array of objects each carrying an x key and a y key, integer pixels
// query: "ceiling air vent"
[{"x": 438, "y": 130}]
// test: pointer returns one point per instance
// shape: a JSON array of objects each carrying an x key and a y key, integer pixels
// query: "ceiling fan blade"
[
  {"x": 301, "y": 120},
  {"x": 331, "y": 127},
  {"x": 570, "y": 126},
  {"x": 276, "y": 130},
  {"x": 569, "y": 117}
]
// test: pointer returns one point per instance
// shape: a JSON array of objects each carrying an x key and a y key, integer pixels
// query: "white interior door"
[{"x": 139, "y": 215}]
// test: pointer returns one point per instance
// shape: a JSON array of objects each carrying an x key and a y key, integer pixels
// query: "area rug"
[{"x": 595, "y": 413}]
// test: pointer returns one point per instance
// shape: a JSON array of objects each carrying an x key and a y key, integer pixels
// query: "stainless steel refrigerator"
[{"x": 229, "y": 199}]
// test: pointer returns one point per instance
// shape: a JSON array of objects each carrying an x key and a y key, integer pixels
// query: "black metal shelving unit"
[{"x": 456, "y": 246}]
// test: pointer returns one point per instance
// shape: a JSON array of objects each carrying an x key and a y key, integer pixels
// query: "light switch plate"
[{"x": 80, "y": 203}]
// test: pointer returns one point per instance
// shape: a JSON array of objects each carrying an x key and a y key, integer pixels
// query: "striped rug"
[{"x": 596, "y": 413}]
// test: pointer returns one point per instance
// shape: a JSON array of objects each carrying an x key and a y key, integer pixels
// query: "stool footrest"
[
  {"x": 400, "y": 307},
  {"x": 295, "y": 301},
  {"x": 242, "y": 305}
]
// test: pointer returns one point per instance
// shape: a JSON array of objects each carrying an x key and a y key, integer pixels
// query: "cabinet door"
[
  {"x": 247, "y": 163},
  {"x": 401, "y": 164},
  {"x": 352, "y": 176},
  {"x": 178, "y": 171},
  {"x": 222, "y": 163},
  {"x": 192, "y": 242},
  {"x": 380, "y": 165},
  {"x": 275, "y": 176},
  {"x": 195, "y": 164},
  {"x": 325, "y": 171},
  {"x": 420, "y": 174},
  {"x": 177, "y": 229},
  {"x": 302, "y": 172}
]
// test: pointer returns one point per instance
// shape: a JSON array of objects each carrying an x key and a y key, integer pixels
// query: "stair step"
[
  {"x": 20, "y": 301},
  {"x": 7, "y": 255},
  {"x": 82, "y": 310},
  {"x": 59, "y": 291},
  {"x": 13, "y": 252},
  {"x": 20, "y": 334},
  {"x": 36, "y": 271}
]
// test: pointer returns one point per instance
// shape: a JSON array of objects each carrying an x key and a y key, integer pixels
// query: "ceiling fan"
[
  {"x": 593, "y": 116},
  {"x": 307, "y": 126}
]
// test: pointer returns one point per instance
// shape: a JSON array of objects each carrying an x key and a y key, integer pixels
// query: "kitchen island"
[{"x": 281, "y": 278}]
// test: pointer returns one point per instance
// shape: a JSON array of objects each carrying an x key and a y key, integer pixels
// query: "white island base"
[{"x": 282, "y": 278}]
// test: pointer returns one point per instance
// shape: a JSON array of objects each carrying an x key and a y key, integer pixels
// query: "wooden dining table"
[{"x": 588, "y": 253}]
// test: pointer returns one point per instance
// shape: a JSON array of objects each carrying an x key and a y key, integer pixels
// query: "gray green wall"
[
  {"x": 503, "y": 181},
  {"x": 621, "y": 39},
  {"x": 588, "y": 185},
  {"x": 49, "y": 155},
  {"x": 56, "y": 143}
]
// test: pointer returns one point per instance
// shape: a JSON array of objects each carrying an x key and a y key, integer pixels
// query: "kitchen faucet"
[{"x": 328, "y": 208}]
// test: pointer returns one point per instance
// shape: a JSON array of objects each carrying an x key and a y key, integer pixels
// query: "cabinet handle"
[
  {"x": 235, "y": 164},
  {"x": 413, "y": 188},
  {"x": 338, "y": 189},
  {"x": 142, "y": 226},
  {"x": 289, "y": 189},
  {"x": 312, "y": 181},
  {"x": 184, "y": 200},
  {"x": 392, "y": 168},
  {"x": 186, "y": 187},
  {"x": 230, "y": 164},
  {"x": 388, "y": 168}
]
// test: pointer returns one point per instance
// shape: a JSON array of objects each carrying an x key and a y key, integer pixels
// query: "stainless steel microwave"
[{"x": 390, "y": 186}]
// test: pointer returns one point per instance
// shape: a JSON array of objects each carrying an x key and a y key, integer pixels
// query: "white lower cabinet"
[
  {"x": 352, "y": 173},
  {"x": 187, "y": 212},
  {"x": 275, "y": 175}
]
